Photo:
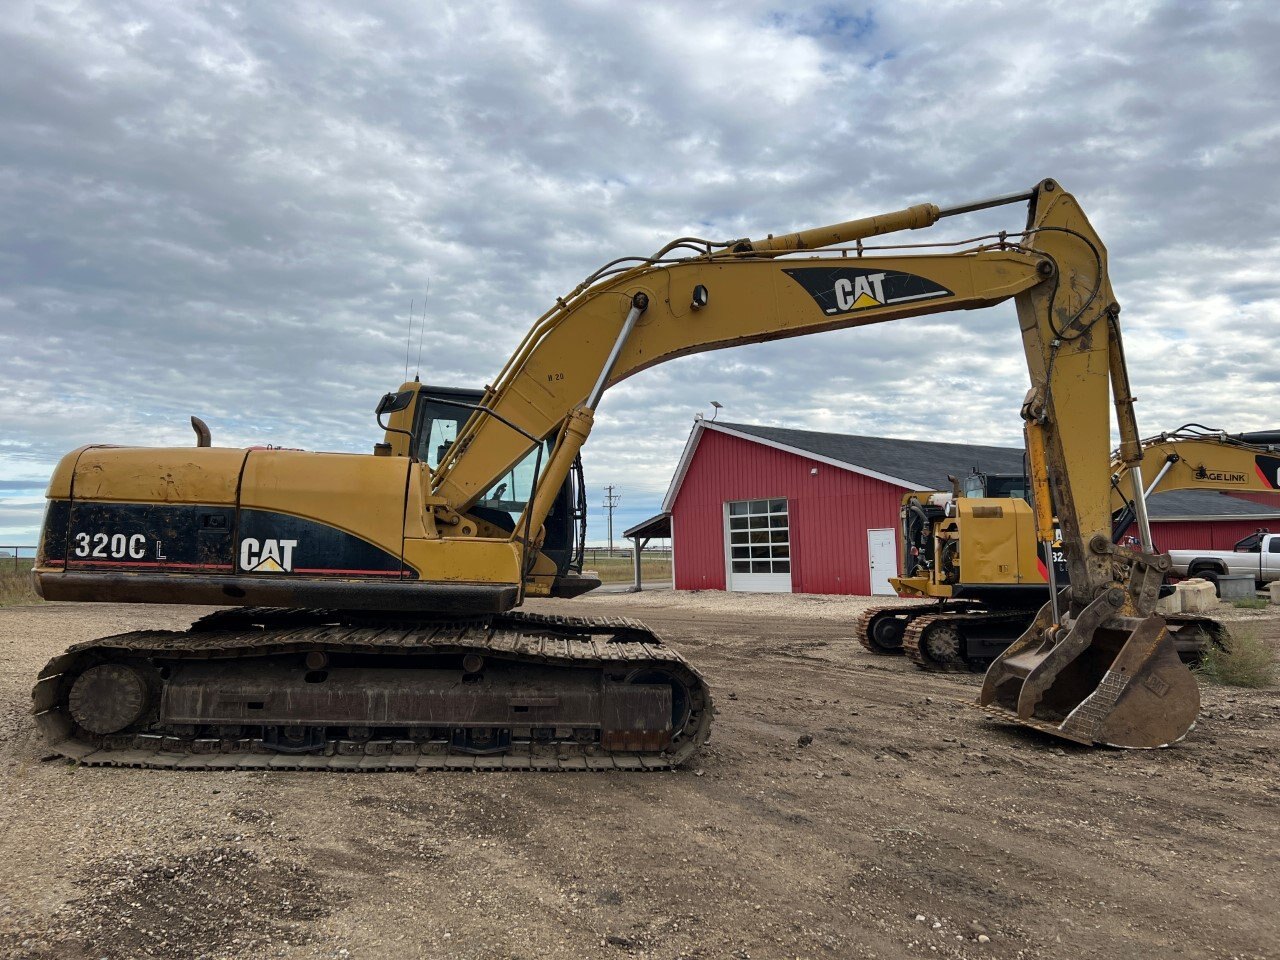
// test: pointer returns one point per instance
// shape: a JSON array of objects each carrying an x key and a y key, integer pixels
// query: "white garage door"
[{"x": 758, "y": 546}]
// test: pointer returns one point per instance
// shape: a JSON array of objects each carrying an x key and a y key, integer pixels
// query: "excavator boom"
[{"x": 1196, "y": 458}]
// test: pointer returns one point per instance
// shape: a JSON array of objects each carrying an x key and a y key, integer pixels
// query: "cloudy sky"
[{"x": 225, "y": 209}]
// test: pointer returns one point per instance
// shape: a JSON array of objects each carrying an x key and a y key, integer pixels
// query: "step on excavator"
[
  {"x": 974, "y": 551},
  {"x": 373, "y": 622}
]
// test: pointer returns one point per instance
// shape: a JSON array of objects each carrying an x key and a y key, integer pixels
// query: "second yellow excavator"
[
  {"x": 374, "y": 628},
  {"x": 974, "y": 550}
]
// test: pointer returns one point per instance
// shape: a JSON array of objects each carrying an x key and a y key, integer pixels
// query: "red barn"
[{"x": 769, "y": 509}]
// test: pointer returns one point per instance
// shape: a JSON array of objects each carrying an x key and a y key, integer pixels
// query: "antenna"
[
  {"x": 422, "y": 330},
  {"x": 408, "y": 339}
]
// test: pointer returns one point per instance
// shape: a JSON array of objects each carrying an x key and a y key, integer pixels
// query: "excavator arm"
[
  {"x": 1096, "y": 665},
  {"x": 1105, "y": 671},
  {"x": 1196, "y": 458}
]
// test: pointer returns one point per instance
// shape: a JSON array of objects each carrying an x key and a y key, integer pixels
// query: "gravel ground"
[{"x": 848, "y": 806}]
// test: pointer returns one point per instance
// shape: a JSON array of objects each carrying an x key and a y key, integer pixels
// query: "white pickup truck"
[{"x": 1258, "y": 554}]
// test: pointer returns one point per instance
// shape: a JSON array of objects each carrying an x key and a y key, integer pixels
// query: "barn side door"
[{"x": 882, "y": 551}]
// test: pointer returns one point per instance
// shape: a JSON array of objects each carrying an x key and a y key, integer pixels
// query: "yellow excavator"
[
  {"x": 374, "y": 594},
  {"x": 974, "y": 550}
]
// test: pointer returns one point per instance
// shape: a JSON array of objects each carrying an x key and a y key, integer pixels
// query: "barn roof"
[
  {"x": 1206, "y": 505},
  {"x": 656, "y": 526},
  {"x": 925, "y": 465},
  {"x": 920, "y": 464}
]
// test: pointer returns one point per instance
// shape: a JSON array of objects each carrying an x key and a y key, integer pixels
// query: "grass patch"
[
  {"x": 1251, "y": 603},
  {"x": 1246, "y": 661},
  {"x": 619, "y": 569},
  {"x": 15, "y": 583}
]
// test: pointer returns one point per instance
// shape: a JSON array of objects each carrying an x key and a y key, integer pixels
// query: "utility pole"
[{"x": 611, "y": 500}]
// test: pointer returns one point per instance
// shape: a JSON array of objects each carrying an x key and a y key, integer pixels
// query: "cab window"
[
  {"x": 438, "y": 426},
  {"x": 513, "y": 489}
]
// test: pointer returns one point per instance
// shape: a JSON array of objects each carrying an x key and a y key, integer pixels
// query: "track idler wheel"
[
  {"x": 942, "y": 644},
  {"x": 108, "y": 698},
  {"x": 883, "y": 632}
]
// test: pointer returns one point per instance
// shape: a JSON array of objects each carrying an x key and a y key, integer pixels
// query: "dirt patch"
[
  {"x": 213, "y": 902},
  {"x": 848, "y": 806}
]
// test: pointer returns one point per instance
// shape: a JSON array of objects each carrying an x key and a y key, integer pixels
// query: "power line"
[{"x": 611, "y": 500}]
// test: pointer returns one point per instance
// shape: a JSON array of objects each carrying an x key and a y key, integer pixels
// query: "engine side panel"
[
  {"x": 355, "y": 495},
  {"x": 168, "y": 475}
]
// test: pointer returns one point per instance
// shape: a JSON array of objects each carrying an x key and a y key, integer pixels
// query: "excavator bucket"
[{"x": 1116, "y": 681}]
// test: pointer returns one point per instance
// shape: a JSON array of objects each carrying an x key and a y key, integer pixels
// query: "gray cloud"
[{"x": 225, "y": 210}]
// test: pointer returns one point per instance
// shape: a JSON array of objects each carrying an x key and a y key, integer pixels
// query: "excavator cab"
[
  {"x": 995, "y": 485},
  {"x": 439, "y": 417},
  {"x": 441, "y": 414}
]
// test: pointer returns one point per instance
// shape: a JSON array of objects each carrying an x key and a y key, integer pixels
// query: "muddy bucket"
[{"x": 1119, "y": 683}]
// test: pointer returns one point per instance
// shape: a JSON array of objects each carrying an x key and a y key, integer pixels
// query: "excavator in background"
[
  {"x": 974, "y": 550},
  {"x": 373, "y": 623}
]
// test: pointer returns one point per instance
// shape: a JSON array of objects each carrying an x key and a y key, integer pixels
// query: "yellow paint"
[
  {"x": 991, "y": 551},
  {"x": 469, "y": 560},
  {"x": 1201, "y": 464},
  {"x": 1038, "y": 457},
  {"x": 146, "y": 475},
  {"x": 1004, "y": 551},
  {"x": 60, "y": 482}
]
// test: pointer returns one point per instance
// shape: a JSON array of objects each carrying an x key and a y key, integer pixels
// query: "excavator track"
[
  {"x": 875, "y": 632},
  {"x": 933, "y": 639},
  {"x": 937, "y": 643},
  {"x": 1192, "y": 634},
  {"x": 529, "y": 692}
]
